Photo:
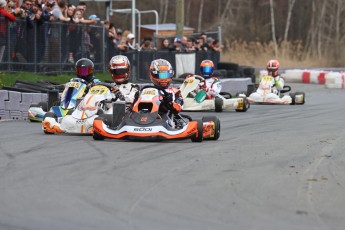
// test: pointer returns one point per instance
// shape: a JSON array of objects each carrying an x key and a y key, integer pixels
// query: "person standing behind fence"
[
  {"x": 165, "y": 44},
  {"x": 3, "y": 26}
]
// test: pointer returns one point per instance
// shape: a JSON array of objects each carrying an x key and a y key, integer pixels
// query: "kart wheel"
[
  {"x": 53, "y": 99},
  {"x": 293, "y": 98},
  {"x": 303, "y": 95},
  {"x": 250, "y": 89},
  {"x": 218, "y": 104},
  {"x": 200, "y": 130},
  {"x": 216, "y": 126},
  {"x": 43, "y": 105},
  {"x": 106, "y": 118},
  {"x": 226, "y": 95},
  {"x": 97, "y": 137},
  {"x": 245, "y": 105}
]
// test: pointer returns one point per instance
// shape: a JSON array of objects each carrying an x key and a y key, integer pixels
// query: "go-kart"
[
  {"x": 71, "y": 95},
  {"x": 144, "y": 122},
  {"x": 194, "y": 98},
  {"x": 97, "y": 101},
  {"x": 267, "y": 94}
]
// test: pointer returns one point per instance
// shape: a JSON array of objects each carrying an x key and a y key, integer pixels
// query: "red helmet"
[
  {"x": 273, "y": 67},
  {"x": 161, "y": 73},
  {"x": 119, "y": 68},
  {"x": 206, "y": 68}
]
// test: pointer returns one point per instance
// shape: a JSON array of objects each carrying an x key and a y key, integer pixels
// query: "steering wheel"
[
  {"x": 155, "y": 87},
  {"x": 198, "y": 77}
]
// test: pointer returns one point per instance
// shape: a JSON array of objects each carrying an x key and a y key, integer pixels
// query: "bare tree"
[
  {"x": 200, "y": 14},
  {"x": 287, "y": 26},
  {"x": 273, "y": 29}
]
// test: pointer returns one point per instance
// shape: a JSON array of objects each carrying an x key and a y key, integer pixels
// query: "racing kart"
[
  {"x": 71, "y": 95},
  {"x": 195, "y": 98},
  {"x": 266, "y": 94},
  {"x": 97, "y": 101},
  {"x": 144, "y": 122}
]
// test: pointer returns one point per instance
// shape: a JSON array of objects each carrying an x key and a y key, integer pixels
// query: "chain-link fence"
[{"x": 53, "y": 48}]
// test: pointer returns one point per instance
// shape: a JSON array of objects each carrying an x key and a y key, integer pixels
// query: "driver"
[
  {"x": 211, "y": 85},
  {"x": 120, "y": 68},
  {"x": 84, "y": 69},
  {"x": 161, "y": 73},
  {"x": 273, "y": 70}
]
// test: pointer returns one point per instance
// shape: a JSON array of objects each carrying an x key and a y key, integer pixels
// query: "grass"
[{"x": 8, "y": 79}]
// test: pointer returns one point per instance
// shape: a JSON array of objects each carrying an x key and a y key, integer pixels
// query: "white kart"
[
  {"x": 266, "y": 94},
  {"x": 97, "y": 102},
  {"x": 194, "y": 98}
]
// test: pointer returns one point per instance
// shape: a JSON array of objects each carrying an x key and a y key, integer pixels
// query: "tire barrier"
[
  {"x": 302, "y": 76},
  {"x": 14, "y": 105}
]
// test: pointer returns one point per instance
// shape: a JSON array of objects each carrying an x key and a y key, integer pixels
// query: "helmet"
[
  {"x": 206, "y": 68},
  {"x": 84, "y": 68},
  {"x": 119, "y": 68},
  {"x": 273, "y": 67},
  {"x": 161, "y": 73}
]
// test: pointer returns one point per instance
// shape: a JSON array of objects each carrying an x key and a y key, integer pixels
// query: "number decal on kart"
[
  {"x": 74, "y": 84},
  {"x": 99, "y": 89},
  {"x": 267, "y": 78},
  {"x": 149, "y": 92}
]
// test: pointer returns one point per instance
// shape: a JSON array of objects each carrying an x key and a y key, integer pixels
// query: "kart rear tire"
[
  {"x": 226, "y": 95},
  {"x": 246, "y": 105},
  {"x": 293, "y": 98},
  {"x": 106, "y": 118},
  {"x": 200, "y": 130},
  {"x": 216, "y": 124},
  {"x": 43, "y": 105},
  {"x": 250, "y": 89},
  {"x": 218, "y": 104},
  {"x": 299, "y": 93},
  {"x": 96, "y": 136}
]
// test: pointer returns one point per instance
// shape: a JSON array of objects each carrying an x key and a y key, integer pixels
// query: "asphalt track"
[{"x": 274, "y": 167}]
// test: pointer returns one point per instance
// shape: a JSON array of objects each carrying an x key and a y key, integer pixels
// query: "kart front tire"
[
  {"x": 293, "y": 98},
  {"x": 216, "y": 126},
  {"x": 301, "y": 93},
  {"x": 200, "y": 131},
  {"x": 246, "y": 105},
  {"x": 218, "y": 104}
]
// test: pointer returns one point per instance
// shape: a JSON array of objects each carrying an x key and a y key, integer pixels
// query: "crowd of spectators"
[{"x": 73, "y": 13}]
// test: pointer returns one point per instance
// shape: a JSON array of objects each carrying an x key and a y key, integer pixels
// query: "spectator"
[
  {"x": 147, "y": 44},
  {"x": 176, "y": 46},
  {"x": 82, "y": 7},
  {"x": 131, "y": 42},
  {"x": 208, "y": 45},
  {"x": 59, "y": 9},
  {"x": 190, "y": 45},
  {"x": 184, "y": 42},
  {"x": 5, "y": 11},
  {"x": 123, "y": 47},
  {"x": 74, "y": 32},
  {"x": 197, "y": 44},
  {"x": 216, "y": 46},
  {"x": 203, "y": 37},
  {"x": 119, "y": 36},
  {"x": 87, "y": 45},
  {"x": 165, "y": 44}
]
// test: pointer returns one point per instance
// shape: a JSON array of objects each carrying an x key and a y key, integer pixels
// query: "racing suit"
[
  {"x": 212, "y": 86},
  {"x": 278, "y": 84}
]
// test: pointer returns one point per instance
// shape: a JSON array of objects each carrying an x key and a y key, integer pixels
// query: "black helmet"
[{"x": 84, "y": 69}]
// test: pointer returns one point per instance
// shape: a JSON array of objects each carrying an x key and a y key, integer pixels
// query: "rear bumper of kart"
[{"x": 148, "y": 133}]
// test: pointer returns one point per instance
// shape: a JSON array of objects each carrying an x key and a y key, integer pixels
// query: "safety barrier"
[
  {"x": 14, "y": 105},
  {"x": 335, "y": 80}
]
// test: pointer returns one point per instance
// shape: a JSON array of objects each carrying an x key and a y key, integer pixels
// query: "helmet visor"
[
  {"x": 84, "y": 71},
  {"x": 163, "y": 75},
  {"x": 207, "y": 69},
  {"x": 119, "y": 71}
]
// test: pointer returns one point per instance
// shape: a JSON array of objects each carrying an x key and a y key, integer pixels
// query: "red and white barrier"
[
  {"x": 335, "y": 80},
  {"x": 302, "y": 76}
]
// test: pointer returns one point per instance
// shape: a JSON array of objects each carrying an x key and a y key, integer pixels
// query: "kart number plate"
[
  {"x": 98, "y": 89},
  {"x": 267, "y": 78},
  {"x": 149, "y": 92},
  {"x": 74, "y": 84}
]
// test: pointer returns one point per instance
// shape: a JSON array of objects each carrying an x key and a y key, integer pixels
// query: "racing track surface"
[{"x": 274, "y": 167}]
